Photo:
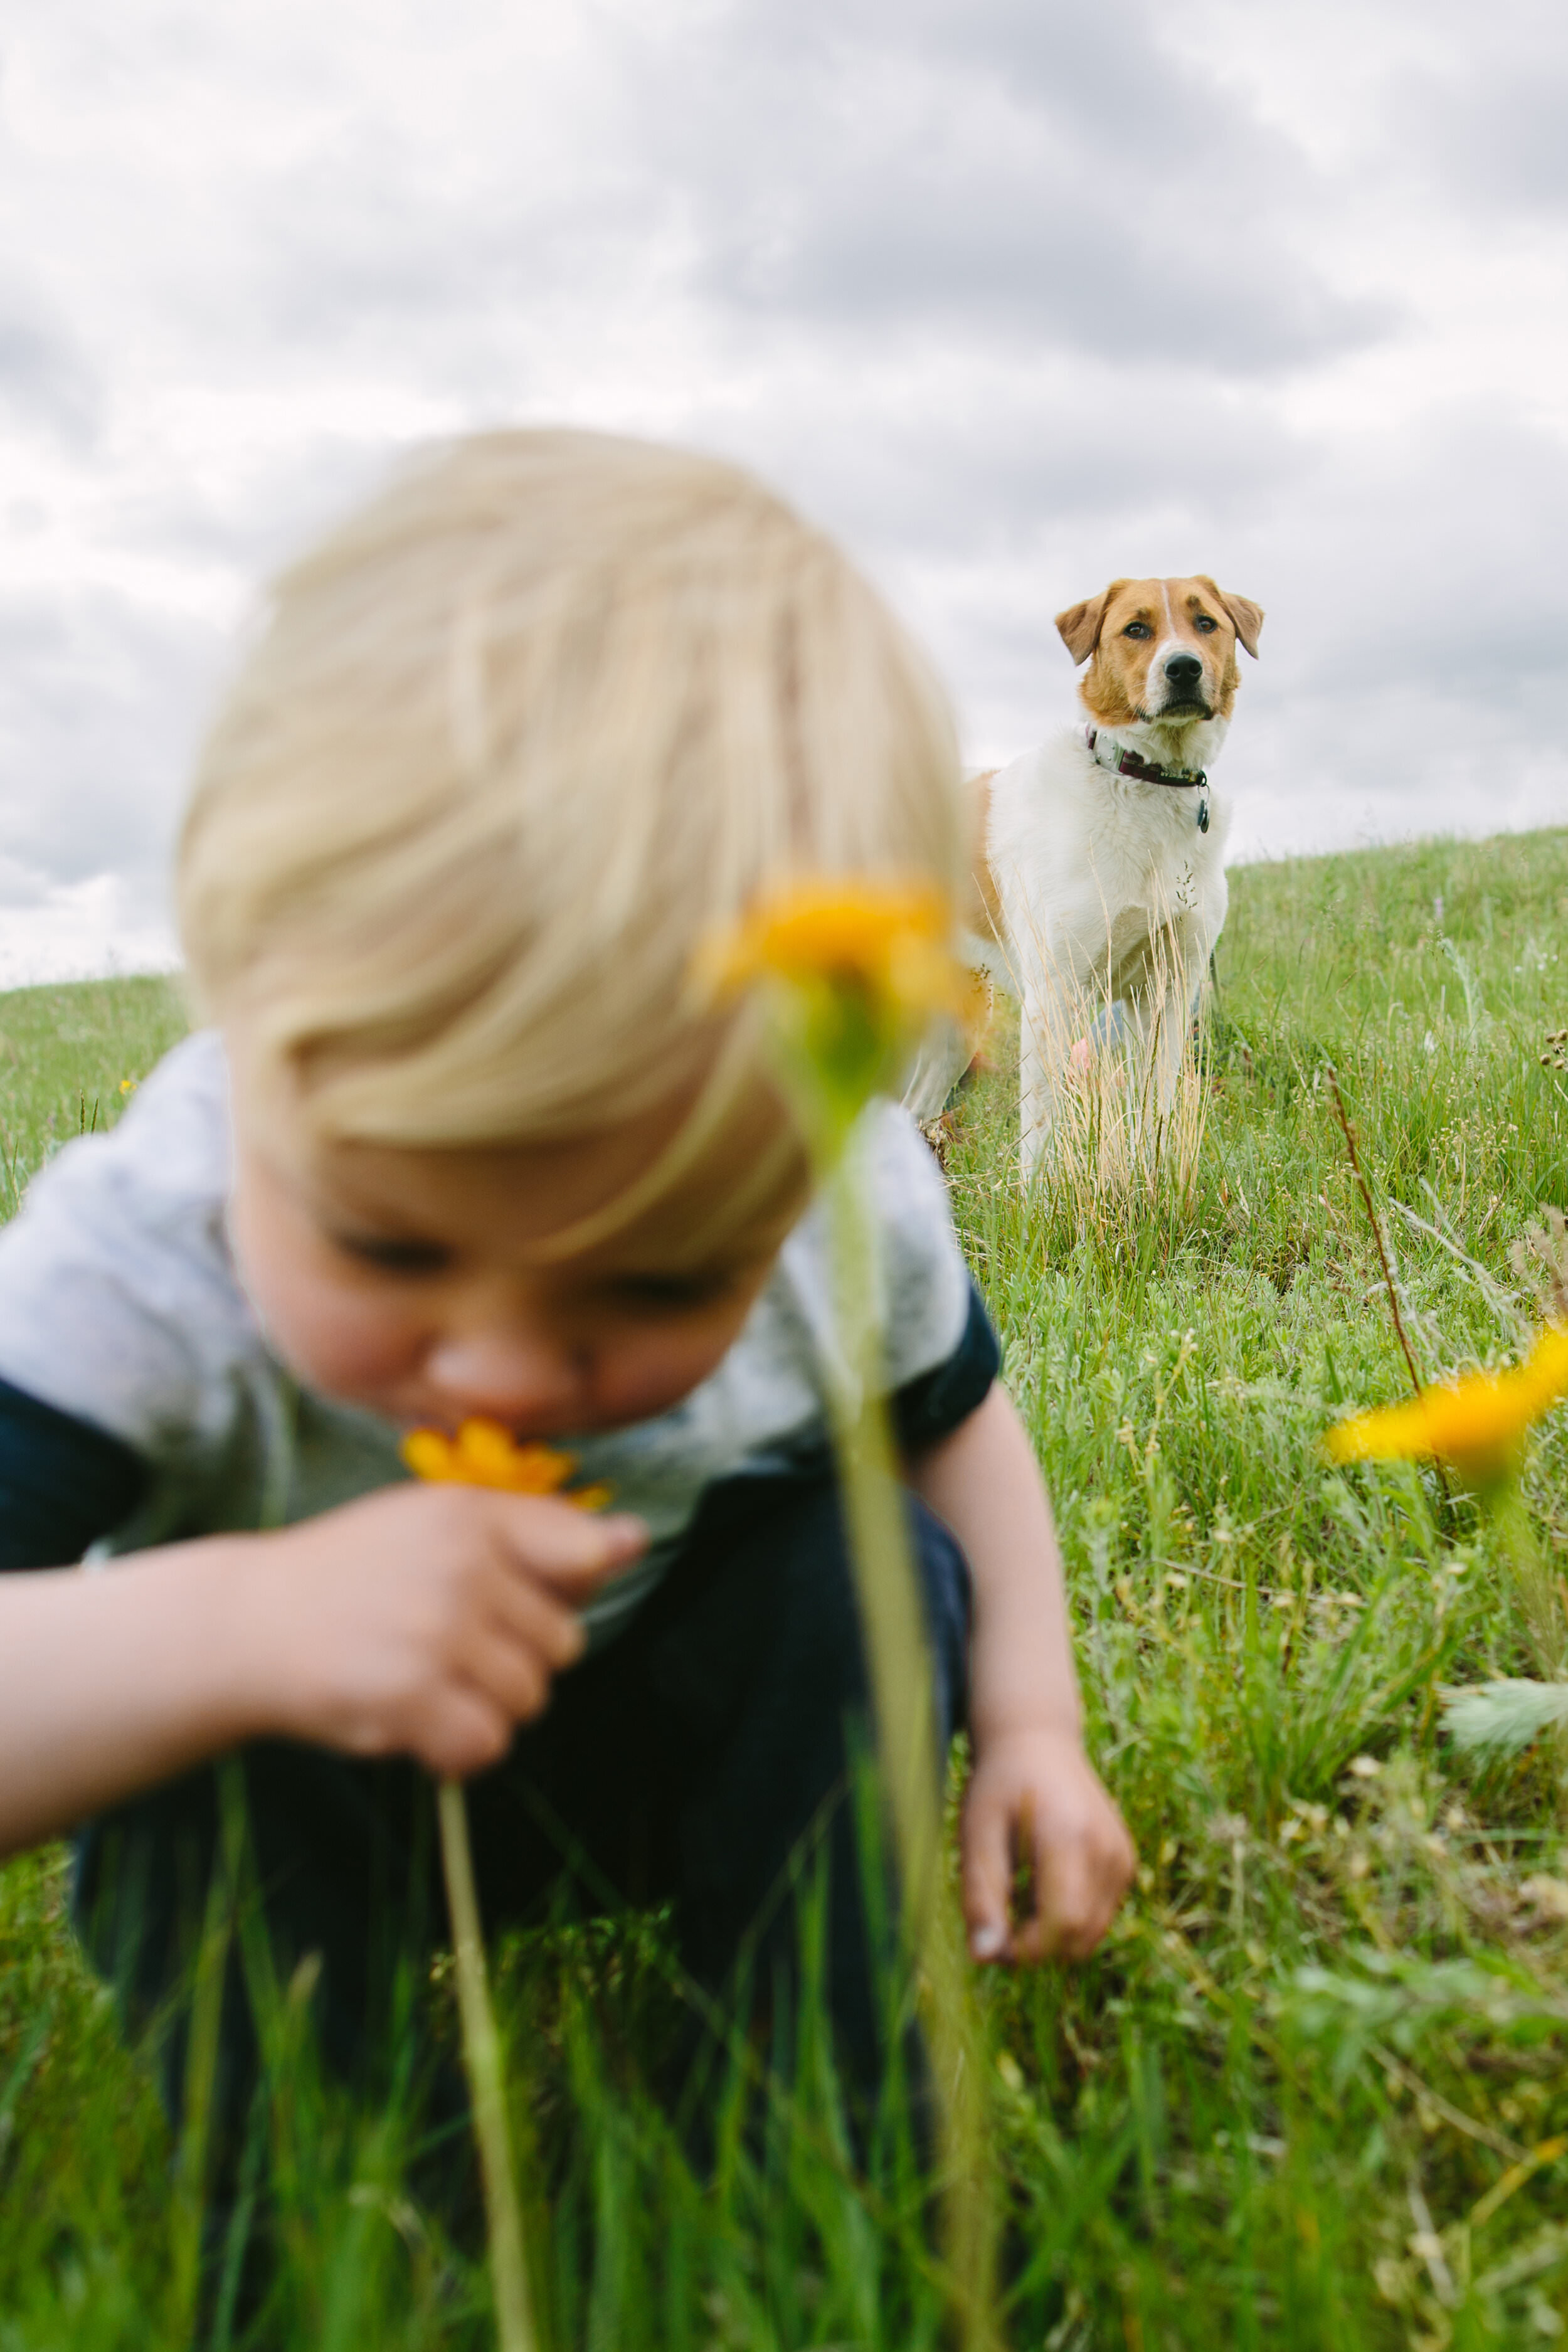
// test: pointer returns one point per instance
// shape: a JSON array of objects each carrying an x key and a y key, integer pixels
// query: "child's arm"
[
  {"x": 1033, "y": 1792},
  {"x": 421, "y": 1620}
]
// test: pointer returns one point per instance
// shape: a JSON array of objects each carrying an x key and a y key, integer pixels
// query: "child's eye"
[
  {"x": 394, "y": 1253},
  {"x": 671, "y": 1291}
]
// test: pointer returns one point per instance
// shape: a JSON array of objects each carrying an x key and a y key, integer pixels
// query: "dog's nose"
[{"x": 1184, "y": 670}]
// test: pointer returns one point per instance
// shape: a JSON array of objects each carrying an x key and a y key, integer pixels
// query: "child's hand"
[
  {"x": 1034, "y": 1803},
  {"x": 426, "y": 1621}
]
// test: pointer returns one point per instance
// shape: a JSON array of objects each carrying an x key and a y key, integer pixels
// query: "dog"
[{"x": 1098, "y": 859}]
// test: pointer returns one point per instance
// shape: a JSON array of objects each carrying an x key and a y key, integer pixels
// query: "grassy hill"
[{"x": 1312, "y": 2094}]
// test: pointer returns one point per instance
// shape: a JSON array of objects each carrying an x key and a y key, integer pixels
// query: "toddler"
[{"x": 458, "y": 1140}]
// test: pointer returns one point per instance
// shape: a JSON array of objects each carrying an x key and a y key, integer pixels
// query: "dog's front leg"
[
  {"x": 1036, "y": 1095},
  {"x": 943, "y": 1058},
  {"x": 1169, "y": 1044},
  {"x": 1175, "y": 1012}
]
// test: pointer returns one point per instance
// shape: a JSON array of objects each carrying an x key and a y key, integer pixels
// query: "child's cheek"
[
  {"x": 352, "y": 1354},
  {"x": 330, "y": 1333},
  {"x": 650, "y": 1370}
]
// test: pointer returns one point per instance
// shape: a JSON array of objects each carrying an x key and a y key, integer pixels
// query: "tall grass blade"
[
  {"x": 482, "y": 2059},
  {"x": 201, "y": 2072},
  {"x": 891, "y": 1612}
]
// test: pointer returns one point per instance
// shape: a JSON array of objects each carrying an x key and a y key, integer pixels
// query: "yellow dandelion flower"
[
  {"x": 888, "y": 939},
  {"x": 849, "y": 971},
  {"x": 1478, "y": 1424},
  {"x": 484, "y": 1454}
]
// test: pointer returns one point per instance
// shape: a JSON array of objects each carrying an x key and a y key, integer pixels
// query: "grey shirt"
[{"x": 120, "y": 1305}]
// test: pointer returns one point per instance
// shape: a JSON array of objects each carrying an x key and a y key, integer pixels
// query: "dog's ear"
[
  {"x": 1245, "y": 616},
  {"x": 1079, "y": 626}
]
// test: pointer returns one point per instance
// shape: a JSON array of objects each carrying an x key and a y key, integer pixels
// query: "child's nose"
[{"x": 510, "y": 1377}]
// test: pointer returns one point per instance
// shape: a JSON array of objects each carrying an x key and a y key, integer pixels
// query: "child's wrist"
[
  {"x": 194, "y": 1641},
  {"x": 253, "y": 1635},
  {"x": 1061, "y": 1728}
]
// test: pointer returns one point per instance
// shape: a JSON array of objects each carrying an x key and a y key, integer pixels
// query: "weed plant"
[{"x": 1313, "y": 2093}]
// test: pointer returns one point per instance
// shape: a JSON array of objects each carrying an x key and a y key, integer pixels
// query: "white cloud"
[
  {"x": 1012, "y": 294},
  {"x": 76, "y": 931}
]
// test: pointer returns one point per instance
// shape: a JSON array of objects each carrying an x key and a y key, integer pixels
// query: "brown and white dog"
[{"x": 1099, "y": 873}]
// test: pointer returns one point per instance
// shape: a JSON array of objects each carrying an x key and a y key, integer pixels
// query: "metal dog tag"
[{"x": 1203, "y": 815}]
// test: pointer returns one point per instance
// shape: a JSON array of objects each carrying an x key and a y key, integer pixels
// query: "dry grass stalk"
[
  {"x": 1541, "y": 1261},
  {"x": 1331, "y": 1075}
]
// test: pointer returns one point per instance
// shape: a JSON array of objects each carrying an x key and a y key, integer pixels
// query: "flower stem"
[
  {"x": 483, "y": 2061},
  {"x": 892, "y": 1613}
]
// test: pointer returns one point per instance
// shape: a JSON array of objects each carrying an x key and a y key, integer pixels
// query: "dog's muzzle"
[{"x": 1184, "y": 677}]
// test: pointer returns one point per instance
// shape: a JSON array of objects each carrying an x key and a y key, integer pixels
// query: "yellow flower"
[
  {"x": 888, "y": 939},
  {"x": 1478, "y": 1424},
  {"x": 483, "y": 1454},
  {"x": 849, "y": 971}
]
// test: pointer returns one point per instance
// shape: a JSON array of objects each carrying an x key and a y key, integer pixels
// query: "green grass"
[
  {"x": 68, "y": 1057},
  {"x": 1308, "y": 2095}
]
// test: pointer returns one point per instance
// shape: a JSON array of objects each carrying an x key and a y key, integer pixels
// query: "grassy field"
[{"x": 1313, "y": 2092}]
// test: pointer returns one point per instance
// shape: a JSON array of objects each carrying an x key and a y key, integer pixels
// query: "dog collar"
[
  {"x": 1144, "y": 771},
  {"x": 1131, "y": 763}
]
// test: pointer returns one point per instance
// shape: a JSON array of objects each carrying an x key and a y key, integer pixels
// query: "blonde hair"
[{"x": 512, "y": 741}]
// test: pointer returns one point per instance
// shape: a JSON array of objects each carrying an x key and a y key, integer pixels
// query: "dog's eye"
[
  {"x": 1205, "y": 624},
  {"x": 1137, "y": 629}
]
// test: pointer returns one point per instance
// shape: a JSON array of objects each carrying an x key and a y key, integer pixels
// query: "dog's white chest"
[{"x": 1088, "y": 865}]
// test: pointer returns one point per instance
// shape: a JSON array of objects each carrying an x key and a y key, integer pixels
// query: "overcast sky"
[{"x": 1013, "y": 295}]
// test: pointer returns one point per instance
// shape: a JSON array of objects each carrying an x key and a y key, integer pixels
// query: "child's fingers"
[
  {"x": 512, "y": 1675},
  {"x": 529, "y": 1630},
  {"x": 519, "y": 1632},
  {"x": 1063, "y": 1905},
  {"x": 525, "y": 1613},
  {"x": 576, "y": 1551},
  {"x": 463, "y": 1733},
  {"x": 987, "y": 1850},
  {"x": 1079, "y": 1880}
]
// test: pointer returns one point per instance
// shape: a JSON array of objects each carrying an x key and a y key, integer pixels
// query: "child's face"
[{"x": 418, "y": 1282}]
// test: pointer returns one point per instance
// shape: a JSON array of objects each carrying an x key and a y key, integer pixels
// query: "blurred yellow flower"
[
  {"x": 1478, "y": 1424},
  {"x": 850, "y": 971},
  {"x": 484, "y": 1454},
  {"x": 888, "y": 939}
]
